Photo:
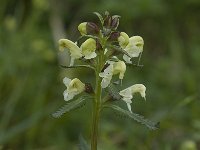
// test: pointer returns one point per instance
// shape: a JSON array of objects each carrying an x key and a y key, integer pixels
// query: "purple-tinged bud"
[
  {"x": 115, "y": 22},
  {"x": 88, "y": 28},
  {"x": 88, "y": 88},
  {"x": 107, "y": 21},
  {"x": 114, "y": 36},
  {"x": 92, "y": 28},
  {"x": 98, "y": 45}
]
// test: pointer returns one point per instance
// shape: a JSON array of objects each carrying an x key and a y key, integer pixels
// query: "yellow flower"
[
  {"x": 74, "y": 87},
  {"x": 88, "y": 48},
  {"x": 134, "y": 48},
  {"x": 82, "y": 28},
  {"x": 75, "y": 51},
  {"x": 113, "y": 69},
  {"x": 123, "y": 39},
  {"x": 119, "y": 67},
  {"x": 127, "y": 94}
]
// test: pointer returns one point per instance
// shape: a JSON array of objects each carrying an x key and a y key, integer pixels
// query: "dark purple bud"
[
  {"x": 92, "y": 28},
  {"x": 114, "y": 36},
  {"x": 115, "y": 22},
  {"x": 107, "y": 21},
  {"x": 98, "y": 45},
  {"x": 88, "y": 88}
]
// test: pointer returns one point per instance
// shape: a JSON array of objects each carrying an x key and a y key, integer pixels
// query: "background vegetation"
[{"x": 31, "y": 80}]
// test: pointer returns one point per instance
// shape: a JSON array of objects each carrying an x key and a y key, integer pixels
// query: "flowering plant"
[{"x": 101, "y": 52}]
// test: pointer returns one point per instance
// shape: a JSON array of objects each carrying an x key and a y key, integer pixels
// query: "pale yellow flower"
[
  {"x": 127, "y": 94},
  {"x": 134, "y": 48},
  {"x": 88, "y": 48},
  {"x": 74, "y": 87},
  {"x": 123, "y": 39},
  {"x": 83, "y": 28},
  {"x": 113, "y": 69},
  {"x": 75, "y": 51}
]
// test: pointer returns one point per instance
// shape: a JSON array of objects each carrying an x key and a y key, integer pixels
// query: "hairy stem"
[{"x": 96, "y": 106}]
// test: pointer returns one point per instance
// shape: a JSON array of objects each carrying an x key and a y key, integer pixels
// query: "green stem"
[{"x": 96, "y": 106}]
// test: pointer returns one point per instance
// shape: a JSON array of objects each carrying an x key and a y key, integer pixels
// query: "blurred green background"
[{"x": 31, "y": 80}]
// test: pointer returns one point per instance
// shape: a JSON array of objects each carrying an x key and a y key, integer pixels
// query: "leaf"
[
  {"x": 119, "y": 49},
  {"x": 99, "y": 16},
  {"x": 113, "y": 92},
  {"x": 139, "y": 118},
  {"x": 82, "y": 143},
  {"x": 78, "y": 66},
  {"x": 69, "y": 107},
  {"x": 87, "y": 36}
]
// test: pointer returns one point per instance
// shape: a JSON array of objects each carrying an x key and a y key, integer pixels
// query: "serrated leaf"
[
  {"x": 82, "y": 143},
  {"x": 139, "y": 118},
  {"x": 71, "y": 105},
  {"x": 113, "y": 92},
  {"x": 99, "y": 16},
  {"x": 78, "y": 66}
]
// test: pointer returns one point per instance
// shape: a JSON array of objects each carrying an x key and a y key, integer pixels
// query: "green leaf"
[
  {"x": 99, "y": 16},
  {"x": 71, "y": 105},
  {"x": 82, "y": 143},
  {"x": 119, "y": 49},
  {"x": 139, "y": 118},
  {"x": 87, "y": 36},
  {"x": 78, "y": 66},
  {"x": 113, "y": 92}
]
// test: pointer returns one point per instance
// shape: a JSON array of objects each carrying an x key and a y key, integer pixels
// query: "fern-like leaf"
[
  {"x": 69, "y": 107},
  {"x": 139, "y": 118}
]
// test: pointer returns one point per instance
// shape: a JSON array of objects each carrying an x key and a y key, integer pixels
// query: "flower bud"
[
  {"x": 107, "y": 21},
  {"x": 92, "y": 28},
  {"x": 123, "y": 39},
  {"x": 98, "y": 45},
  {"x": 114, "y": 36},
  {"x": 88, "y": 88},
  {"x": 115, "y": 22},
  {"x": 88, "y": 28},
  {"x": 82, "y": 28}
]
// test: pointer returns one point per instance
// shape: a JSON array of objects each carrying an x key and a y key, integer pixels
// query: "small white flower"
[
  {"x": 113, "y": 69},
  {"x": 134, "y": 48},
  {"x": 107, "y": 76},
  {"x": 88, "y": 48},
  {"x": 127, "y": 94},
  {"x": 75, "y": 51},
  {"x": 74, "y": 87}
]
